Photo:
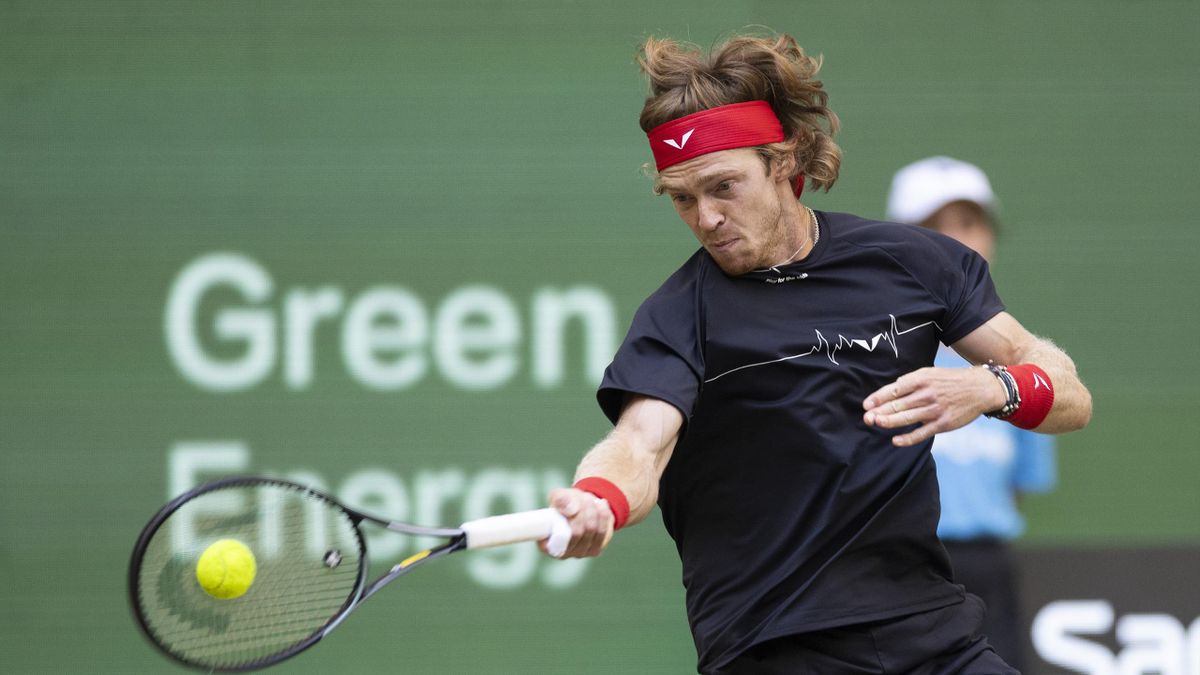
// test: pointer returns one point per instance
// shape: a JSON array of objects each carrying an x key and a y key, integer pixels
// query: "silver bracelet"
[{"x": 1011, "y": 393}]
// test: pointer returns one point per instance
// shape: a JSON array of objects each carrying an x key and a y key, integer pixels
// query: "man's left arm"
[{"x": 942, "y": 399}]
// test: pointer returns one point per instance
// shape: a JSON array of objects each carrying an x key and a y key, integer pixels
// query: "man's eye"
[
  {"x": 679, "y": 199},
  {"x": 724, "y": 186}
]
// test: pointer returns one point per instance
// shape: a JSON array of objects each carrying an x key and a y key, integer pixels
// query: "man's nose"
[{"x": 711, "y": 216}]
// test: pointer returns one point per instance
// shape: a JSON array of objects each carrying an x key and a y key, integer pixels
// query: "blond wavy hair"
[{"x": 683, "y": 80}]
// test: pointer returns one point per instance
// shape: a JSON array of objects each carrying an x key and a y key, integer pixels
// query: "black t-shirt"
[{"x": 789, "y": 513}]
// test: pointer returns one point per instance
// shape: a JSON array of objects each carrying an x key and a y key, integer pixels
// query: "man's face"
[
  {"x": 967, "y": 223},
  {"x": 744, "y": 217}
]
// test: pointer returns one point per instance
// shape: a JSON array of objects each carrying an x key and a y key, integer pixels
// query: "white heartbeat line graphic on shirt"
[{"x": 832, "y": 348}]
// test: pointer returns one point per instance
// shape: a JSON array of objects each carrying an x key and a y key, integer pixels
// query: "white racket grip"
[{"x": 516, "y": 527}]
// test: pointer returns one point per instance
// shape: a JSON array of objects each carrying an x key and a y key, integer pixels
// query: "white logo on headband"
[{"x": 682, "y": 141}]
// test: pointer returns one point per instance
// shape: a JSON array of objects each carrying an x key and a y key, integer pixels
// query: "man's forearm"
[
  {"x": 1003, "y": 340},
  {"x": 1072, "y": 407},
  {"x": 612, "y": 460},
  {"x": 634, "y": 454}
]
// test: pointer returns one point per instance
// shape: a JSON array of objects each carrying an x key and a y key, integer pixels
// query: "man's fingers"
[
  {"x": 591, "y": 524},
  {"x": 905, "y": 417},
  {"x": 565, "y": 502},
  {"x": 877, "y": 397},
  {"x": 590, "y": 543},
  {"x": 897, "y": 409},
  {"x": 936, "y": 424},
  {"x": 599, "y": 526},
  {"x": 921, "y": 433},
  {"x": 904, "y": 386},
  {"x": 888, "y": 394}
]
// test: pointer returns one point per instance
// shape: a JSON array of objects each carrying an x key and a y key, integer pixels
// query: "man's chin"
[{"x": 732, "y": 267}]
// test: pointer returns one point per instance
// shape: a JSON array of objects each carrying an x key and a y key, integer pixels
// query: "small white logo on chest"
[{"x": 784, "y": 280}]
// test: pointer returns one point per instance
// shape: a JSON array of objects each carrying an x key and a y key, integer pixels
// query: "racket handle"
[{"x": 516, "y": 527}]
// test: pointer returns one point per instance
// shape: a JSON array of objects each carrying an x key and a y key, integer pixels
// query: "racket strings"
[{"x": 294, "y": 595}]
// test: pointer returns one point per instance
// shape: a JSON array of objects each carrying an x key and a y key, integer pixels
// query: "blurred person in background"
[{"x": 985, "y": 466}]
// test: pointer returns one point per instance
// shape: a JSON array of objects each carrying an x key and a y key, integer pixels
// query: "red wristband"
[
  {"x": 1037, "y": 395},
  {"x": 610, "y": 493}
]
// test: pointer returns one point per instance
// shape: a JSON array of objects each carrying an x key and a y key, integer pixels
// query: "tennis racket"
[{"x": 311, "y": 568}]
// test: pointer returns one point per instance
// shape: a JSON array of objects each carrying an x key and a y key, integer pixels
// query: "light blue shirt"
[{"x": 981, "y": 468}]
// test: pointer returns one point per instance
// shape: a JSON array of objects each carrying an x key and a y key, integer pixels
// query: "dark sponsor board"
[{"x": 1112, "y": 611}]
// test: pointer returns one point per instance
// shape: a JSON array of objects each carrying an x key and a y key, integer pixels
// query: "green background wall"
[{"x": 437, "y": 147}]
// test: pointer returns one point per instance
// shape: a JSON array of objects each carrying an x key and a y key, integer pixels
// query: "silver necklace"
[{"x": 816, "y": 236}]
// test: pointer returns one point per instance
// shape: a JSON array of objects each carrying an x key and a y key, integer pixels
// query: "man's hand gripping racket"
[
  {"x": 590, "y": 519},
  {"x": 242, "y": 573}
]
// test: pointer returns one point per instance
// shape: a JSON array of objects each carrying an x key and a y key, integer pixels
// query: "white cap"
[{"x": 925, "y": 186}]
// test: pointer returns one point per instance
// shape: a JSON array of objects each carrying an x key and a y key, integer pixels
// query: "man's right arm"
[{"x": 632, "y": 457}]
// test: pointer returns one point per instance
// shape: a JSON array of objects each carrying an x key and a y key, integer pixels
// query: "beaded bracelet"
[{"x": 1011, "y": 392}]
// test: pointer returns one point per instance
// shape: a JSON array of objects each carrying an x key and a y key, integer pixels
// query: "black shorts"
[{"x": 942, "y": 641}]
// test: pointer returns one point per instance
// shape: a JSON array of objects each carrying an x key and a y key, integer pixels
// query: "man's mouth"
[{"x": 724, "y": 244}]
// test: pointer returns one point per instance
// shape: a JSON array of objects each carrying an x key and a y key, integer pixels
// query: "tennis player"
[{"x": 776, "y": 396}]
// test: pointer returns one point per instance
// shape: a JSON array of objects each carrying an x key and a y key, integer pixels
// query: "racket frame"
[{"x": 457, "y": 541}]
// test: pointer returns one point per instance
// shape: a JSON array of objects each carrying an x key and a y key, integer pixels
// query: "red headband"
[{"x": 737, "y": 125}]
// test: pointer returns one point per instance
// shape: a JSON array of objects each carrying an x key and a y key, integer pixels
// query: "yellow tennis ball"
[{"x": 226, "y": 569}]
